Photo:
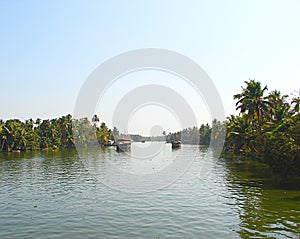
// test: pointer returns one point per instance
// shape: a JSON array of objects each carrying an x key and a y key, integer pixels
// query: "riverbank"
[{"x": 267, "y": 128}]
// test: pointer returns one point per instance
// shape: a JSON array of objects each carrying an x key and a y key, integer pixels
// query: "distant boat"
[
  {"x": 143, "y": 141},
  {"x": 123, "y": 144},
  {"x": 109, "y": 143},
  {"x": 176, "y": 144},
  {"x": 15, "y": 150}
]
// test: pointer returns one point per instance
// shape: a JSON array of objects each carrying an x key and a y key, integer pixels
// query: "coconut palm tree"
[
  {"x": 95, "y": 120},
  {"x": 280, "y": 107},
  {"x": 38, "y": 122},
  {"x": 296, "y": 103},
  {"x": 238, "y": 134},
  {"x": 252, "y": 102}
]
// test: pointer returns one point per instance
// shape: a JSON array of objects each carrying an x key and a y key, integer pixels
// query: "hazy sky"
[{"x": 48, "y": 48}]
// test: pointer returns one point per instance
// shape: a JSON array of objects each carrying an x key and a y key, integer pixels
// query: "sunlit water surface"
[{"x": 55, "y": 195}]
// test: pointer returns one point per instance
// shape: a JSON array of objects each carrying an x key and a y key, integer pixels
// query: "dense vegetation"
[
  {"x": 267, "y": 128},
  {"x": 16, "y": 135},
  {"x": 193, "y": 135}
]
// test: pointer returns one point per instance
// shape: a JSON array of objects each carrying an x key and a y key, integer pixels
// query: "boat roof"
[{"x": 123, "y": 140}]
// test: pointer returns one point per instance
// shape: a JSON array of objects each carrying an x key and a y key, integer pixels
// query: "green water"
[{"x": 54, "y": 195}]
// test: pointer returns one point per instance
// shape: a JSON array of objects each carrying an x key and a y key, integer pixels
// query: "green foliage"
[
  {"x": 252, "y": 102},
  {"x": 193, "y": 135},
  {"x": 54, "y": 133},
  {"x": 268, "y": 128},
  {"x": 205, "y": 133},
  {"x": 104, "y": 134}
]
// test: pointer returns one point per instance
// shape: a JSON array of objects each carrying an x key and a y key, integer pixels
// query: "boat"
[
  {"x": 143, "y": 141},
  {"x": 123, "y": 144},
  {"x": 176, "y": 144},
  {"x": 109, "y": 143},
  {"x": 15, "y": 150}
]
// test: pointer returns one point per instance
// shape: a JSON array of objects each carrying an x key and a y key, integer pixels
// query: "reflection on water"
[
  {"x": 268, "y": 206},
  {"x": 131, "y": 172},
  {"x": 52, "y": 194},
  {"x": 145, "y": 158}
]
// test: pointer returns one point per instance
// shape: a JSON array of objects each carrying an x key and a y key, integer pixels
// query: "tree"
[
  {"x": 252, "y": 101},
  {"x": 54, "y": 133},
  {"x": 205, "y": 134},
  {"x": 296, "y": 103},
  {"x": 267, "y": 129},
  {"x": 65, "y": 128},
  {"x": 103, "y": 134},
  {"x": 29, "y": 123},
  {"x": 13, "y": 135},
  {"x": 95, "y": 120},
  {"x": 38, "y": 121},
  {"x": 238, "y": 134},
  {"x": 280, "y": 108},
  {"x": 115, "y": 133}
]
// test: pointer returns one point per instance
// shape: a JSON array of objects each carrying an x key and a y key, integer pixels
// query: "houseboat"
[
  {"x": 109, "y": 143},
  {"x": 176, "y": 144},
  {"x": 123, "y": 144}
]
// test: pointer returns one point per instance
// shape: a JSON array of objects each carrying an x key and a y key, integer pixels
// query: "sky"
[{"x": 49, "y": 48}]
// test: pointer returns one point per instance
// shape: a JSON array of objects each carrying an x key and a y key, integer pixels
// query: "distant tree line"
[
  {"x": 16, "y": 135},
  {"x": 267, "y": 128},
  {"x": 193, "y": 135}
]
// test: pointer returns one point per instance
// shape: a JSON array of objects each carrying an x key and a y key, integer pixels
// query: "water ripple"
[{"x": 54, "y": 196}]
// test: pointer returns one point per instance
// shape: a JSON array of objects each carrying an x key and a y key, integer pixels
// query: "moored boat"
[
  {"x": 123, "y": 144},
  {"x": 176, "y": 144},
  {"x": 109, "y": 143}
]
